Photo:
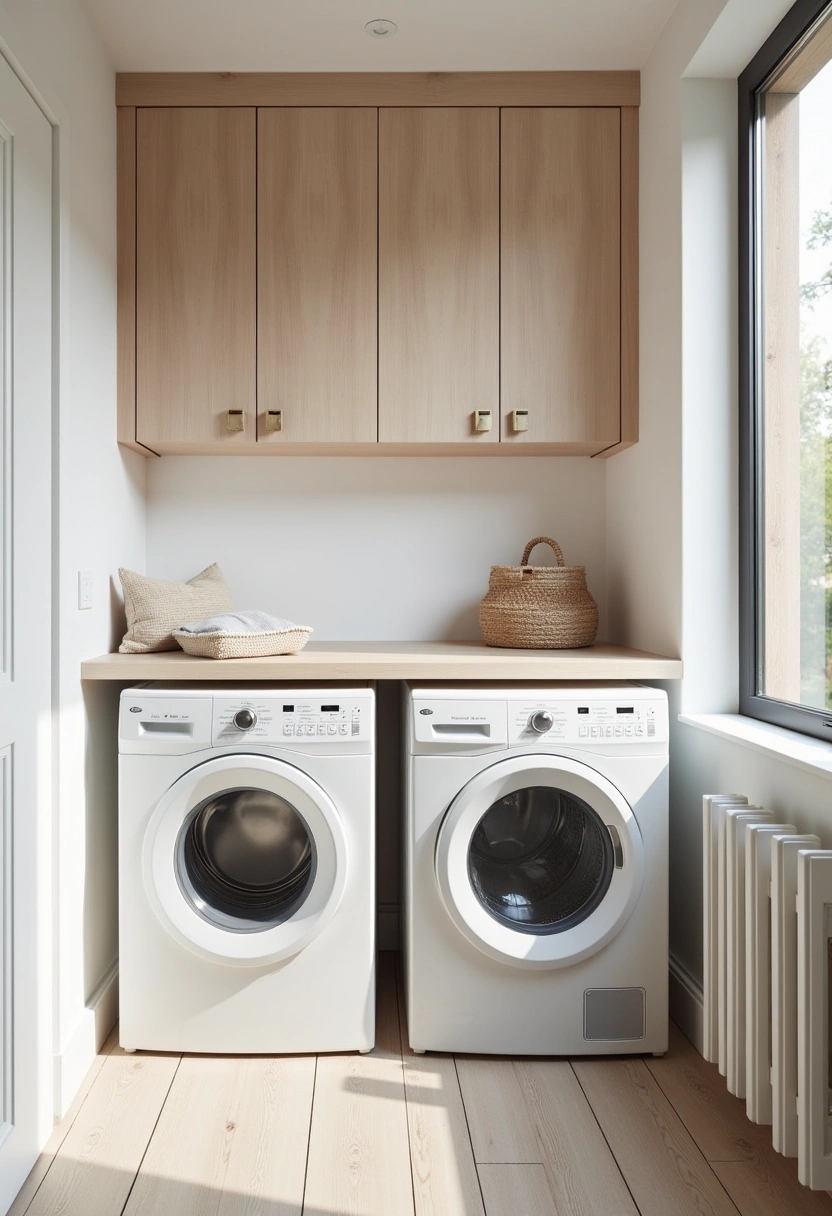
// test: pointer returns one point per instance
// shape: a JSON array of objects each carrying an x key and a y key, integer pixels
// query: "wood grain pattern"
[
  {"x": 196, "y": 274},
  {"x": 101, "y": 1153},
  {"x": 250, "y": 448},
  {"x": 228, "y": 1136},
  {"x": 396, "y": 661},
  {"x": 767, "y": 1185},
  {"x": 231, "y": 1139},
  {"x": 61, "y": 1130},
  {"x": 812, "y": 58},
  {"x": 561, "y": 274},
  {"x": 377, "y": 89},
  {"x": 126, "y": 279},
  {"x": 529, "y": 1112},
  {"x": 629, "y": 283},
  {"x": 316, "y": 274},
  {"x": 439, "y": 274},
  {"x": 517, "y": 1190},
  {"x": 359, "y": 1155},
  {"x": 663, "y": 1168},
  {"x": 715, "y": 1119},
  {"x": 781, "y": 398},
  {"x": 442, "y": 1163}
]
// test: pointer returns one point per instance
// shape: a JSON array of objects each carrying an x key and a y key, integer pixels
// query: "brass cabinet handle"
[
  {"x": 482, "y": 421},
  {"x": 235, "y": 420},
  {"x": 519, "y": 420},
  {"x": 274, "y": 421}
]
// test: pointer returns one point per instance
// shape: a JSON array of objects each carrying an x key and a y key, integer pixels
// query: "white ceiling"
[{"x": 328, "y": 35}]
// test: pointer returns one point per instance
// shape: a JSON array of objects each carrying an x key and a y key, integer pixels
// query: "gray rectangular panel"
[{"x": 612, "y": 1014}]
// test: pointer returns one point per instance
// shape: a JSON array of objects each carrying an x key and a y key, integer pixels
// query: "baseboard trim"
[
  {"x": 687, "y": 1006},
  {"x": 71, "y": 1064}
]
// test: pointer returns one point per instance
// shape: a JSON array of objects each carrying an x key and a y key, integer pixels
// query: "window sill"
[{"x": 813, "y": 755}]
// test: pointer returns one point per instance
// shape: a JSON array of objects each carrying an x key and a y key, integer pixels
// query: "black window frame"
[{"x": 794, "y": 26}]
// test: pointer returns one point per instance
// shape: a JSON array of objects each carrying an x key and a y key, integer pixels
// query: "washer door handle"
[{"x": 618, "y": 851}]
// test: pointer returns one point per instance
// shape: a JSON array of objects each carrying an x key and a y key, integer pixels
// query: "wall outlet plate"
[{"x": 85, "y": 589}]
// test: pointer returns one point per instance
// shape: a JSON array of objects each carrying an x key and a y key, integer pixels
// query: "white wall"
[
  {"x": 99, "y": 511},
  {"x": 687, "y": 460},
  {"x": 376, "y": 548}
]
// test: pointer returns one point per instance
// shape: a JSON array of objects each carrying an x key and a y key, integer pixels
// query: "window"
[{"x": 785, "y": 100}]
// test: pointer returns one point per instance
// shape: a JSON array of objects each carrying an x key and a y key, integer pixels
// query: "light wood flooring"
[{"x": 395, "y": 1134}]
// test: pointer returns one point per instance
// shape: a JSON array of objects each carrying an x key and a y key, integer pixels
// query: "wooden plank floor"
[{"x": 396, "y": 1134}]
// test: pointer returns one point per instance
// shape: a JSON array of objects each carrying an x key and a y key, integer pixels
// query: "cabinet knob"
[
  {"x": 482, "y": 421},
  {"x": 519, "y": 420},
  {"x": 235, "y": 420},
  {"x": 274, "y": 421}
]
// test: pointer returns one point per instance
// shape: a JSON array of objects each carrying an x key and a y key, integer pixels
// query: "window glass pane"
[{"x": 794, "y": 278}]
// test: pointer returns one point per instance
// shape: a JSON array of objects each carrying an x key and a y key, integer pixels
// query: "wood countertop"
[{"x": 395, "y": 661}]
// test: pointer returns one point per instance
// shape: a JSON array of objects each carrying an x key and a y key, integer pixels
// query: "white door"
[
  {"x": 540, "y": 861},
  {"x": 25, "y": 631}
]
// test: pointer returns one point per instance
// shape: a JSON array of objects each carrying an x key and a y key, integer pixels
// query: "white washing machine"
[
  {"x": 536, "y": 869},
  {"x": 246, "y": 866}
]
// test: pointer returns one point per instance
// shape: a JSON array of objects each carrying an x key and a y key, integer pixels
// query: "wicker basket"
[{"x": 538, "y": 607}]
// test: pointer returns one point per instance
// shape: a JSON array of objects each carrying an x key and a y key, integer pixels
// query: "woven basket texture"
[
  {"x": 538, "y": 607},
  {"x": 243, "y": 645}
]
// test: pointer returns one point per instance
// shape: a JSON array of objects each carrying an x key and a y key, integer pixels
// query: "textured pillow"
[{"x": 155, "y": 607}]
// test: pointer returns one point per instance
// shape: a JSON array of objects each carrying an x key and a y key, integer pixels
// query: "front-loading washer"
[
  {"x": 536, "y": 917},
  {"x": 246, "y": 869}
]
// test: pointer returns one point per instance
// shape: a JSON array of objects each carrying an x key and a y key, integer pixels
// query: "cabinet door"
[
  {"x": 195, "y": 277},
  {"x": 561, "y": 273},
  {"x": 439, "y": 274},
  {"x": 317, "y": 267}
]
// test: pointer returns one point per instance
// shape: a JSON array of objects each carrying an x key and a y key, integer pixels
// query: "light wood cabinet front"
[
  {"x": 439, "y": 240},
  {"x": 195, "y": 277},
  {"x": 561, "y": 275},
  {"x": 317, "y": 266}
]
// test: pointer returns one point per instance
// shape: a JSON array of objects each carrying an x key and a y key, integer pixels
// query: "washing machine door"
[
  {"x": 245, "y": 860},
  {"x": 540, "y": 861}
]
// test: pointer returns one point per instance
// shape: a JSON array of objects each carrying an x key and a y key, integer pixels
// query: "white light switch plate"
[{"x": 85, "y": 587}]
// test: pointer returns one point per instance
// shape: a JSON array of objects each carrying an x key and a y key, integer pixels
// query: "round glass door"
[
  {"x": 539, "y": 861},
  {"x": 245, "y": 859}
]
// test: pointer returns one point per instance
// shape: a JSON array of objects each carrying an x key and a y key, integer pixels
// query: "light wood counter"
[{"x": 395, "y": 661}]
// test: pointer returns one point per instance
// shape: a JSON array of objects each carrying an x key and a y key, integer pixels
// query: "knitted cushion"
[{"x": 155, "y": 607}]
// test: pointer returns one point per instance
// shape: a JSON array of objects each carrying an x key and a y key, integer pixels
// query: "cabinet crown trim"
[{"x": 378, "y": 88}]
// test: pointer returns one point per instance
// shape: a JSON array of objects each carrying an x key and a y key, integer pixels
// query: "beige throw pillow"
[{"x": 155, "y": 607}]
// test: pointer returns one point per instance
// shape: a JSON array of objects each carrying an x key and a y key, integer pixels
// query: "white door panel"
[{"x": 25, "y": 631}]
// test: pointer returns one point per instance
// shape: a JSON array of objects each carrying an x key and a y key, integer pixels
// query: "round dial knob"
[
  {"x": 541, "y": 721},
  {"x": 244, "y": 719}
]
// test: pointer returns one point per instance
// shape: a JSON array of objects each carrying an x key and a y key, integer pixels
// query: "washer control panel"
[
  {"x": 633, "y": 720},
  {"x": 293, "y": 716}
]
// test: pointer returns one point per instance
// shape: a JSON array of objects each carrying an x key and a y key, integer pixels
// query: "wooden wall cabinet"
[
  {"x": 439, "y": 274},
  {"x": 369, "y": 264},
  {"x": 196, "y": 275}
]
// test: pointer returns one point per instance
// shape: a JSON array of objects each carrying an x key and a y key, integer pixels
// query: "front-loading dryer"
[
  {"x": 536, "y": 916},
  {"x": 246, "y": 869}
]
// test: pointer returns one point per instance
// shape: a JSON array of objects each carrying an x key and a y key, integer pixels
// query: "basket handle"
[{"x": 542, "y": 540}]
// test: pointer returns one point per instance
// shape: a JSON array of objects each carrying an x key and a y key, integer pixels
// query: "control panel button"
[
  {"x": 245, "y": 719},
  {"x": 288, "y": 728},
  {"x": 332, "y": 729},
  {"x": 322, "y": 728},
  {"x": 343, "y": 729}
]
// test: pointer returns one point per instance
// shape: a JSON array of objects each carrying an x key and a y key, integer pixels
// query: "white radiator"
[{"x": 767, "y": 929}]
